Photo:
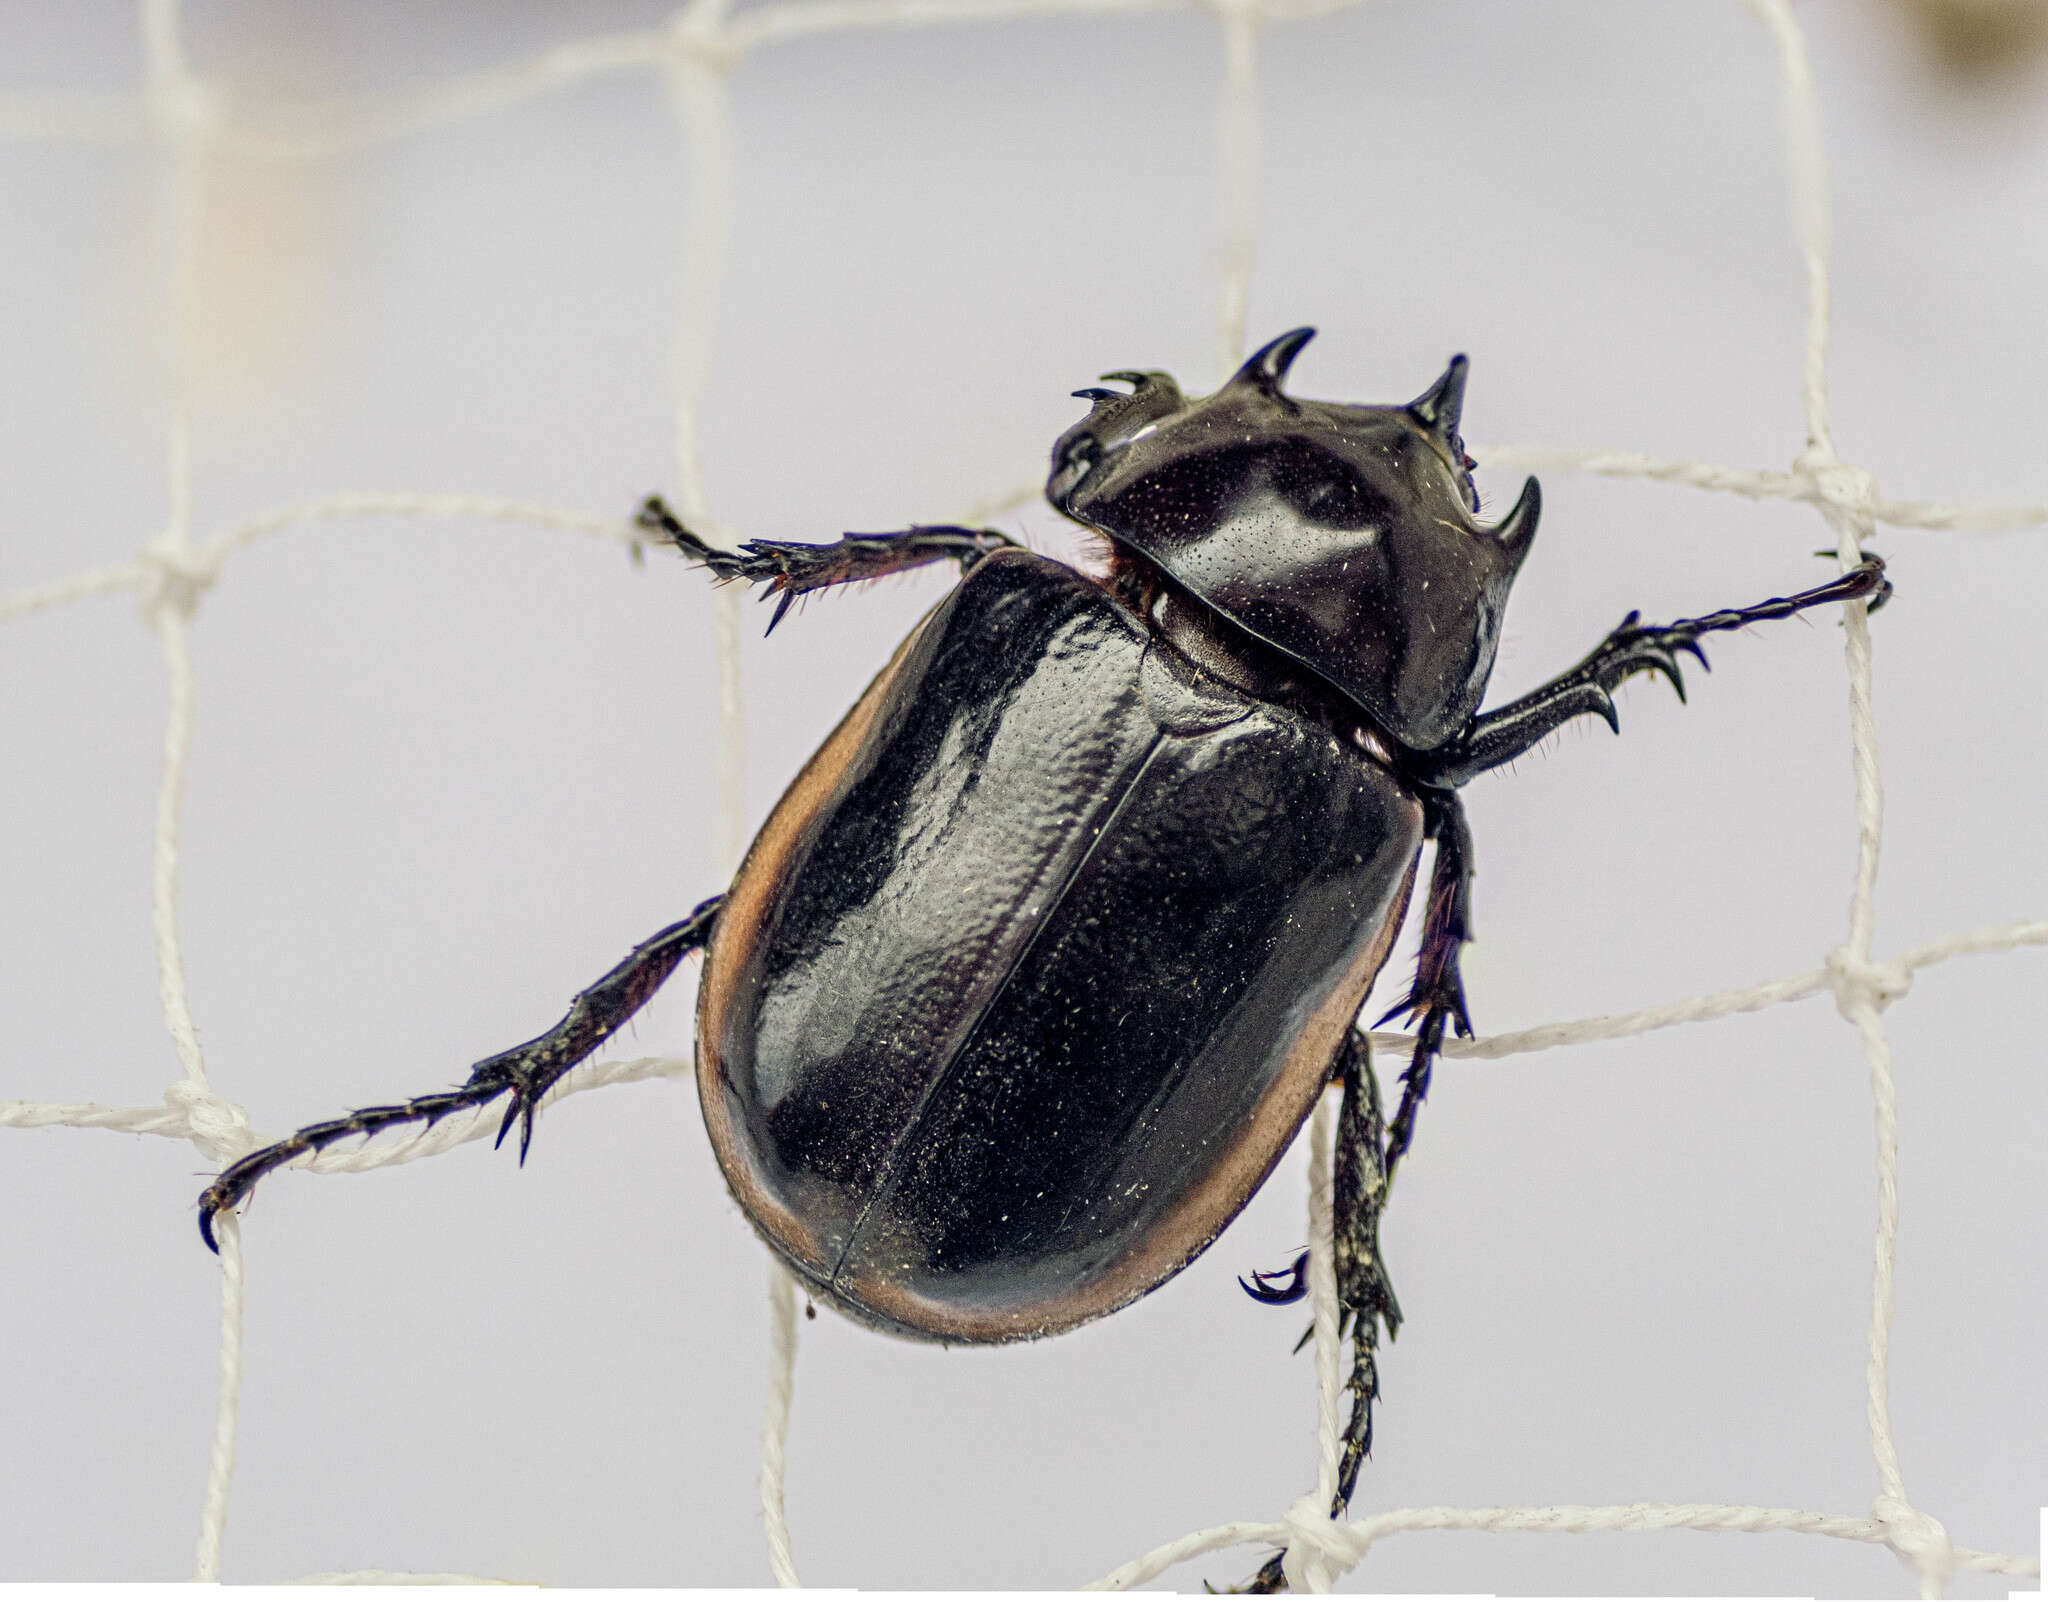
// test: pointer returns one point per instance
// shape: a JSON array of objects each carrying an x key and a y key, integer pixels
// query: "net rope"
[{"x": 173, "y": 570}]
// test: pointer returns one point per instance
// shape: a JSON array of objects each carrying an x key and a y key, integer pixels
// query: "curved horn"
[
  {"x": 1518, "y": 528},
  {"x": 1149, "y": 384},
  {"x": 1100, "y": 394},
  {"x": 1267, "y": 366},
  {"x": 1438, "y": 407}
]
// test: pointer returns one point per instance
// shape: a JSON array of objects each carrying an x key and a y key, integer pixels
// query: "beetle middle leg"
[
  {"x": 1365, "y": 1295},
  {"x": 1437, "y": 995},
  {"x": 525, "y": 1072},
  {"x": 790, "y": 568}
]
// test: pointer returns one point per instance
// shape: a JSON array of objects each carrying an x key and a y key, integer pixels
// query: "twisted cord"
[
  {"x": 457, "y": 1129},
  {"x": 1758, "y": 484},
  {"x": 1313, "y": 1561},
  {"x": 1358, "y": 1537},
  {"x": 91, "y": 1115},
  {"x": 220, "y": 1464},
  {"x": 174, "y": 581},
  {"x": 1237, "y": 180},
  {"x": 775, "y": 1422},
  {"x": 79, "y": 587},
  {"x": 695, "y": 74},
  {"x": 365, "y": 504},
  {"x": 1846, "y": 494}
]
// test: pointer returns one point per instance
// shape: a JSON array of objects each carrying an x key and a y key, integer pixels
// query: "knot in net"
[
  {"x": 1319, "y": 1550},
  {"x": 1845, "y": 494},
  {"x": 174, "y": 578},
  {"x": 1858, "y": 982},
  {"x": 217, "y": 1126},
  {"x": 1919, "y": 1539}
]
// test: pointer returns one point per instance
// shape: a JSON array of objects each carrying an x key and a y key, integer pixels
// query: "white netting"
[{"x": 693, "y": 55}]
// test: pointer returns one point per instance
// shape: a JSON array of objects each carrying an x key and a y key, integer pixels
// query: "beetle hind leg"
[
  {"x": 1280, "y": 1286},
  {"x": 526, "y": 1072},
  {"x": 1365, "y": 1295},
  {"x": 531, "y": 1070}
]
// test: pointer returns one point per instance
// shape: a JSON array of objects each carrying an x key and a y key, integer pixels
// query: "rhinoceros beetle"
[{"x": 1046, "y": 955}]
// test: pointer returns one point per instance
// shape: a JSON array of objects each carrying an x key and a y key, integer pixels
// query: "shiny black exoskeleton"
[{"x": 1045, "y": 957}]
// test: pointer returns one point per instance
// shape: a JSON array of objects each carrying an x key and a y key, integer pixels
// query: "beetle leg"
[
  {"x": 1500, "y": 736},
  {"x": 1365, "y": 1297},
  {"x": 1437, "y": 995},
  {"x": 790, "y": 569},
  {"x": 1269, "y": 1287},
  {"x": 527, "y": 1072}
]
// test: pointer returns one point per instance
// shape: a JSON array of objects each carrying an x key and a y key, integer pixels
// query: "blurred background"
[{"x": 445, "y": 772}]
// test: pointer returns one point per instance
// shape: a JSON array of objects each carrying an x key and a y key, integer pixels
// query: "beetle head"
[{"x": 1343, "y": 536}]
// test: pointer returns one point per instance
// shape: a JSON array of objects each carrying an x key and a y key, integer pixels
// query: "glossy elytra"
[{"x": 1046, "y": 955}]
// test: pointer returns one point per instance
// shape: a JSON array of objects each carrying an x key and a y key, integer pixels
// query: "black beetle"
[{"x": 1045, "y": 957}]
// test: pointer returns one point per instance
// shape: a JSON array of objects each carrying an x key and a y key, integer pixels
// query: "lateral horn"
[
  {"x": 1518, "y": 528},
  {"x": 1438, "y": 408}
]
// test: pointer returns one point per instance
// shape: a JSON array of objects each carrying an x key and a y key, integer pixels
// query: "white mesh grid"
[{"x": 693, "y": 55}]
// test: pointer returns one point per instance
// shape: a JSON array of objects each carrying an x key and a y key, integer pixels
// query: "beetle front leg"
[
  {"x": 1497, "y": 737},
  {"x": 527, "y": 1072},
  {"x": 790, "y": 569}
]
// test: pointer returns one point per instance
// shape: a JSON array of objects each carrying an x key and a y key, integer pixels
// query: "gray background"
[{"x": 445, "y": 773}]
